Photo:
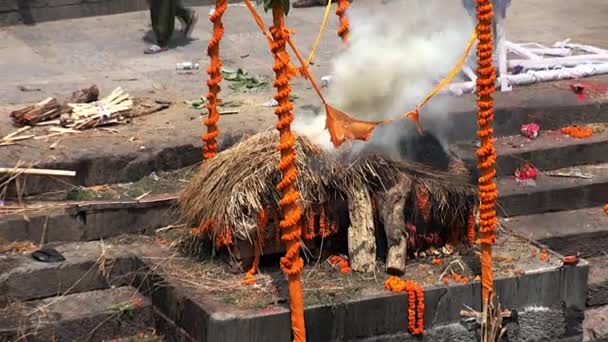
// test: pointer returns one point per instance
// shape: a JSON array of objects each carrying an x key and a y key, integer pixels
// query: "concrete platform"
[
  {"x": 554, "y": 193},
  {"x": 92, "y": 316},
  {"x": 551, "y": 150},
  {"x": 544, "y": 310}
]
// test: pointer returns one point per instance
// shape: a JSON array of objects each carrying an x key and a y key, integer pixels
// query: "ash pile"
[{"x": 380, "y": 210}]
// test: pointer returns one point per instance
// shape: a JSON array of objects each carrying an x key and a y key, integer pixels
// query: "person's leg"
[
  {"x": 162, "y": 13},
  {"x": 186, "y": 16}
]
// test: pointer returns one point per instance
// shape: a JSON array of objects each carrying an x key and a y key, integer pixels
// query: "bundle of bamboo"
[{"x": 109, "y": 110}]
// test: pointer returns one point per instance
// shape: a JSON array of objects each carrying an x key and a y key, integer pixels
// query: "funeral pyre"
[{"x": 364, "y": 205}]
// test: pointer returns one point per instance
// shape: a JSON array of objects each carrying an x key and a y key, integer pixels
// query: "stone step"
[
  {"x": 567, "y": 232},
  {"x": 583, "y": 231},
  {"x": 537, "y": 295},
  {"x": 87, "y": 316},
  {"x": 88, "y": 221},
  {"x": 554, "y": 193},
  {"x": 550, "y": 151},
  {"x": 97, "y": 220},
  {"x": 597, "y": 293},
  {"x": 88, "y": 266}
]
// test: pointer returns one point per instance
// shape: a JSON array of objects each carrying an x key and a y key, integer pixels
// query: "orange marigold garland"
[
  {"x": 324, "y": 228},
  {"x": 258, "y": 245},
  {"x": 204, "y": 228},
  {"x": 471, "y": 226},
  {"x": 340, "y": 262},
  {"x": 606, "y": 209},
  {"x": 423, "y": 202},
  {"x": 215, "y": 77},
  {"x": 310, "y": 232},
  {"x": 291, "y": 263},
  {"x": 415, "y": 312},
  {"x": 577, "y": 132},
  {"x": 343, "y": 29},
  {"x": 486, "y": 153},
  {"x": 224, "y": 238}
]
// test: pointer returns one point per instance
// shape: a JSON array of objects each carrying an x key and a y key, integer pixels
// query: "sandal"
[
  {"x": 154, "y": 49},
  {"x": 47, "y": 254}
]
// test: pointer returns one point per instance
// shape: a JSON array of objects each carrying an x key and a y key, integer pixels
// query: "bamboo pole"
[{"x": 38, "y": 172}]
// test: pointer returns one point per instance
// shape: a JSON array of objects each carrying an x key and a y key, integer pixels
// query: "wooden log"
[
  {"x": 361, "y": 238},
  {"x": 85, "y": 95},
  {"x": 390, "y": 205},
  {"x": 46, "y": 109},
  {"x": 148, "y": 106}
]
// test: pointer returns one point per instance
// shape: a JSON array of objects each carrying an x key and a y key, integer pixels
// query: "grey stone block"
[{"x": 8, "y": 5}]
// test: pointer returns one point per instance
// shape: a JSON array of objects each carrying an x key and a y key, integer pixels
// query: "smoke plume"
[{"x": 395, "y": 56}]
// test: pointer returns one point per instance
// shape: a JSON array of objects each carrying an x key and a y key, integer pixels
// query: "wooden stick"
[
  {"x": 229, "y": 112},
  {"x": 20, "y": 130},
  {"x": 40, "y": 172},
  {"x": 21, "y": 137},
  {"x": 48, "y": 123}
]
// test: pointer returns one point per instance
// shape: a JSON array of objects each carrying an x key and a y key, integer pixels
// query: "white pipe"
[
  {"x": 502, "y": 52},
  {"x": 469, "y": 72},
  {"x": 531, "y": 77},
  {"x": 520, "y": 50},
  {"x": 551, "y": 51},
  {"x": 586, "y": 48},
  {"x": 558, "y": 61}
]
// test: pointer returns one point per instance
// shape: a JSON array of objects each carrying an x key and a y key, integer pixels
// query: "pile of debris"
[{"x": 82, "y": 110}]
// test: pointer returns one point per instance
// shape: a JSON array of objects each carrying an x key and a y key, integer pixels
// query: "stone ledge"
[
  {"x": 93, "y": 316},
  {"x": 541, "y": 307}
]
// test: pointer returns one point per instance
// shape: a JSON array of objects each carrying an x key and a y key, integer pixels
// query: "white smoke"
[{"x": 395, "y": 56}]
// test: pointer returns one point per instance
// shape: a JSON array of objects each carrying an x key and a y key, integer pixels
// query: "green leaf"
[{"x": 267, "y": 4}]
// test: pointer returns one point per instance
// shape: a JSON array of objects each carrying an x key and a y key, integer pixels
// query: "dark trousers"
[{"x": 163, "y": 13}]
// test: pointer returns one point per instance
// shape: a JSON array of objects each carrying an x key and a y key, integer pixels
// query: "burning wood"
[
  {"x": 391, "y": 206},
  {"x": 361, "y": 239}
]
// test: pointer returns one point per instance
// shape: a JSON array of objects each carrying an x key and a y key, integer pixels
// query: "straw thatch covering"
[{"x": 233, "y": 187}]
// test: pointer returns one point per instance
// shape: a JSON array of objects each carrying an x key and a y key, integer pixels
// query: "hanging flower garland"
[
  {"x": 415, "y": 312},
  {"x": 486, "y": 153},
  {"x": 310, "y": 232},
  {"x": 471, "y": 226},
  {"x": 224, "y": 238},
  {"x": 423, "y": 202},
  {"x": 215, "y": 77},
  {"x": 291, "y": 264},
  {"x": 343, "y": 29},
  {"x": 258, "y": 243}
]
